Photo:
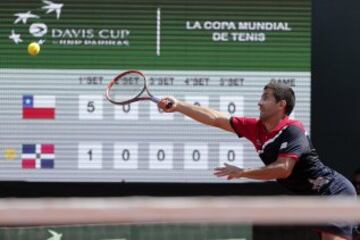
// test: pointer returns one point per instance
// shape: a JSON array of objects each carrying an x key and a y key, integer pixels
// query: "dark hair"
[{"x": 283, "y": 92}]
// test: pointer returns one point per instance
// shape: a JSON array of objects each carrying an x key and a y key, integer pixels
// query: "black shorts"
[{"x": 339, "y": 186}]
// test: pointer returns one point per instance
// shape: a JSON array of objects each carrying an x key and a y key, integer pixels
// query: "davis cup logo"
[
  {"x": 38, "y": 30},
  {"x": 65, "y": 34}
]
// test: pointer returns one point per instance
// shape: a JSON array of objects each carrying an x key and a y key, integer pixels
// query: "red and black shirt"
[{"x": 288, "y": 139}]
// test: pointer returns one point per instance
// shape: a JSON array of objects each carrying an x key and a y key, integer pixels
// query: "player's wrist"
[
  {"x": 241, "y": 173},
  {"x": 180, "y": 106}
]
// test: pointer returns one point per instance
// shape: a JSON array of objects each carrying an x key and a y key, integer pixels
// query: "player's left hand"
[{"x": 230, "y": 171}]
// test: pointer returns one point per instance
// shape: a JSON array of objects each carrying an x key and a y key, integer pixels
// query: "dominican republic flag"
[
  {"x": 38, "y": 107},
  {"x": 38, "y": 156}
]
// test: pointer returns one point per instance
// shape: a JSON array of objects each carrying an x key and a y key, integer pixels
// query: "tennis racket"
[{"x": 129, "y": 87}]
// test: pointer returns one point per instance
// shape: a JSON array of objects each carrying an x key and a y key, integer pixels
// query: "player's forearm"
[
  {"x": 201, "y": 114},
  {"x": 265, "y": 173}
]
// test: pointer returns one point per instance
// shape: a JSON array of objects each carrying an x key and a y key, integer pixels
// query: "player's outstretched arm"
[
  {"x": 201, "y": 114},
  {"x": 281, "y": 168}
]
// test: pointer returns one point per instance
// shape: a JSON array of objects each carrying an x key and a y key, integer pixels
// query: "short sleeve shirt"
[{"x": 287, "y": 139}]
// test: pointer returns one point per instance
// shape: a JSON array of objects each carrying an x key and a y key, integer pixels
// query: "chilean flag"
[
  {"x": 38, "y": 156},
  {"x": 38, "y": 107}
]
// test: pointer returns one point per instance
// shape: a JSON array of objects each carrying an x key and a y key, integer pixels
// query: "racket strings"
[{"x": 126, "y": 87}]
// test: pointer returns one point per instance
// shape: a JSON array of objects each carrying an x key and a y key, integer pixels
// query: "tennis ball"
[
  {"x": 33, "y": 48},
  {"x": 10, "y": 154}
]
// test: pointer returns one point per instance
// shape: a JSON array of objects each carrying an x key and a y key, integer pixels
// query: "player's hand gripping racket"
[{"x": 128, "y": 87}]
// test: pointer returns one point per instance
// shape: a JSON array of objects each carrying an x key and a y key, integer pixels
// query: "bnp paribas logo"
[
  {"x": 37, "y": 29},
  {"x": 63, "y": 33}
]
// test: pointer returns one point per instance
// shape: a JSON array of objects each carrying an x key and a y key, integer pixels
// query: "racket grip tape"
[{"x": 157, "y": 100}]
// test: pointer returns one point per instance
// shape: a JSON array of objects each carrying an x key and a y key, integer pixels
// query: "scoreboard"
[{"x": 56, "y": 126}]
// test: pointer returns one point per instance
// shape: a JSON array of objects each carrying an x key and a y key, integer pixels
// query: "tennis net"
[{"x": 135, "y": 218}]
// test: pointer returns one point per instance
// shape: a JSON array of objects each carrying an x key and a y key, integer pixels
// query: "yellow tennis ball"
[
  {"x": 10, "y": 154},
  {"x": 33, "y": 48}
]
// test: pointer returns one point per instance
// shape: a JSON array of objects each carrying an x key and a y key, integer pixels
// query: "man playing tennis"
[{"x": 282, "y": 145}]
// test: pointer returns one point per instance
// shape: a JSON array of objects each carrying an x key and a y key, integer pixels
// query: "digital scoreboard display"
[{"x": 57, "y": 126}]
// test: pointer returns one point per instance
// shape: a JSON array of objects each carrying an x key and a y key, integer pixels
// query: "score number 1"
[{"x": 90, "y": 155}]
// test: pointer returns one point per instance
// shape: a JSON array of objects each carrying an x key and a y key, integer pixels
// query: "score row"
[
  {"x": 159, "y": 155},
  {"x": 91, "y": 107}
]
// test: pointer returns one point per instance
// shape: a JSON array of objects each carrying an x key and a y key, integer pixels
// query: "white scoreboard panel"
[{"x": 56, "y": 125}]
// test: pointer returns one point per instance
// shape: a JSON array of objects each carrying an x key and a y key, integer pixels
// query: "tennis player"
[{"x": 282, "y": 145}]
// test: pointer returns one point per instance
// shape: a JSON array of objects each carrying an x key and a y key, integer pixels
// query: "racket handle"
[{"x": 157, "y": 100}]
